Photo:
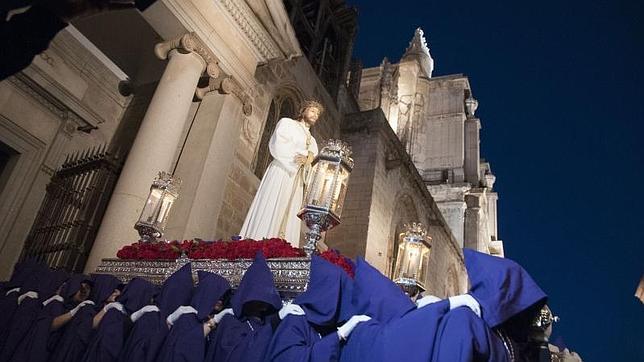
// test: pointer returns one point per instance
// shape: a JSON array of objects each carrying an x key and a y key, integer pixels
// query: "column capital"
[
  {"x": 190, "y": 43},
  {"x": 225, "y": 84}
]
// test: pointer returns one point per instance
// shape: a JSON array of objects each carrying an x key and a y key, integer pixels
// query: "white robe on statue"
[{"x": 281, "y": 191}]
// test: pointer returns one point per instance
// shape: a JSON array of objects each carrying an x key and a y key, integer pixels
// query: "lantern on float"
[
  {"x": 324, "y": 199},
  {"x": 414, "y": 248},
  {"x": 154, "y": 216}
]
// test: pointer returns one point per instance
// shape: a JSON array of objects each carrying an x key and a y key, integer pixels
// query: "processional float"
[{"x": 322, "y": 210}]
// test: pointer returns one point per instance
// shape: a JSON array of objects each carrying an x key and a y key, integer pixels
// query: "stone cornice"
[
  {"x": 252, "y": 28},
  {"x": 44, "y": 98}
]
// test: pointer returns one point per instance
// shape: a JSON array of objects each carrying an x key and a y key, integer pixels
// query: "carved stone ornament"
[
  {"x": 190, "y": 43},
  {"x": 252, "y": 28},
  {"x": 227, "y": 85},
  {"x": 250, "y": 130}
]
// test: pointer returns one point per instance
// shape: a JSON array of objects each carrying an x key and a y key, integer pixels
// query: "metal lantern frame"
[
  {"x": 415, "y": 236},
  {"x": 324, "y": 198},
  {"x": 164, "y": 191}
]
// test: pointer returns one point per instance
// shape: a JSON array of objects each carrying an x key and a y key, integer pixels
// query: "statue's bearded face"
[{"x": 310, "y": 115}]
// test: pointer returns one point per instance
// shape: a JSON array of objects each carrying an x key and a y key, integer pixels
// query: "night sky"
[{"x": 559, "y": 85}]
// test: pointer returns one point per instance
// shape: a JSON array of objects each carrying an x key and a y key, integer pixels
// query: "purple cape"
[
  {"x": 110, "y": 335},
  {"x": 185, "y": 341},
  {"x": 33, "y": 345},
  {"x": 504, "y": 290},
  {"x": 502, "y": 287},
  {"x": 381, "y": 299},
  {"x": 76, "y": 335},
  {"x": 241, "y": 339},
  {"x": 150, "y": 330},
  {"x": 398, "y": 331},
  {"x": 26, "y": 277},
  {"x": 303, "y": 338}
]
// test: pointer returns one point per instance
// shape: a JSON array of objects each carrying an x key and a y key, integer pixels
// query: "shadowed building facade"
[{"x": 197, "y": 92}]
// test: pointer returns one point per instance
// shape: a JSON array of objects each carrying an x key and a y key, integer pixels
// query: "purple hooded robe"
[
  {"x": 78, "y": 332},
  {"x": 110, "y": 335},
  {"x": 313, "y": 337},
  {"x": 186, "y": 341},
  {"x": 504, "y": 290},
  {"x": 39, "y": 341},
  {"x": 239, "y": 338},
  {"x": 150, "y": 329},
  {"x": 44, "y": 282}
]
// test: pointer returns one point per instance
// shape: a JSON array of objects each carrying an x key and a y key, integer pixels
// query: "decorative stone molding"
[
  {"x": 44, "y": 98},
  {"x": 250, "y": 130},
  {"x": 190, "y": 43},
  {"x": 275, "y": 71},
  {"x": 218, "y": 80},
  {"x": 450, "y": 191},
  {"x": 227, "y": 85},
  {"x": 251, "y": 27}
]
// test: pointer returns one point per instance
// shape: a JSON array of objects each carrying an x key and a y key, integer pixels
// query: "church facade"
[
  {"x": 197, "y": 92},
  {"x": 434, "y": 117}
]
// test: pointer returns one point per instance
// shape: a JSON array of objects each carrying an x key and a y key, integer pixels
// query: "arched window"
[
  {"x": 404, "y": 213},
  {"x": 283, "y": 105}
]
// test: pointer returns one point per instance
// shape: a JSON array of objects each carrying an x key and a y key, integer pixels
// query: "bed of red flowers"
[{"x": 220, "y": 249}]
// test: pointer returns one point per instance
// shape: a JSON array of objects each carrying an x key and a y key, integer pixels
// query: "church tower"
[{"x": 434, "y": 118}]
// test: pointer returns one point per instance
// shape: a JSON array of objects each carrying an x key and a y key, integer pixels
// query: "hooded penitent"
[
  {"x": 40, "y": 286},
  {"x": 110, "y": 335},
  {"x": 408, "y": 333},
  {"x": 78, "y": 332},
  {"x": 38, "y": 343},
  {"x": 381, "y": 299},
  {"x": 25, "y": 278},
  {"x": 150, "y": 328},
  {"x": 185, "y": 341},
  {"x": 241, "y": 337},
  {"x": 505, "y": 291},
  {"x": 313, "y": 337},
  {"x": 21, "y": 271}
]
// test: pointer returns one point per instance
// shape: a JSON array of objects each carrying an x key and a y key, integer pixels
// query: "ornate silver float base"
[{"x": 291, "y": 275}]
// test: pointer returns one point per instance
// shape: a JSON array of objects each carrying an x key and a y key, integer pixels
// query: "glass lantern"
[
  {"x": 324, "y": 198},
  {"x": 154, "y": 216},
  {"x": 414, "y": 249}
]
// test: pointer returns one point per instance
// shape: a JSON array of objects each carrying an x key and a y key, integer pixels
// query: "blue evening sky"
[{"x": 559, "y": 85}]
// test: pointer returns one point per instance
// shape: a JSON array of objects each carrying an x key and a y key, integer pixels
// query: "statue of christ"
[{"x": 273, "y": 212}]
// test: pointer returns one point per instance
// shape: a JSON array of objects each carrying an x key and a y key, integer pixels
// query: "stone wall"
[
  {"x": 43, "y": 112},
  {"x": 385, "y": 191}
]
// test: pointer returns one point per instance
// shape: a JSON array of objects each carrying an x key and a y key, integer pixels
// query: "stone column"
[
  {"x": 157, "y": 140},
  {"x": 475, "y": 220},
  {"x": 472, "y": 151},
  {"x": 211, "y": 145},
  {"x": 453, "y": 212}
]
